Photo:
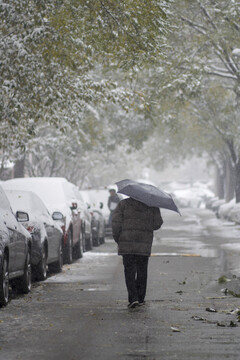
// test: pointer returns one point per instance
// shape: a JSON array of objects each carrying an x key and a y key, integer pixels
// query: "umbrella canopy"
[{"x": 147, "y": 194}]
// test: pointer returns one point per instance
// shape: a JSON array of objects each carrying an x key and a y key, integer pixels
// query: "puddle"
[
  {"x": 232, "y": 246},
  {"x": 97, "y": 288},
  {"x": 90, "y": 268},
  {"x": 141, "y": 354},
  {"x": 174, "y": 254},
  {"x": 193, "y": 247}
]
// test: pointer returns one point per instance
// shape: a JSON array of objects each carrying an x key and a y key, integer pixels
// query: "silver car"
[
  {"x": 98, "y": 220},
  {"x": 47, "y": 235},
  {"x": 15, "y": 251}
]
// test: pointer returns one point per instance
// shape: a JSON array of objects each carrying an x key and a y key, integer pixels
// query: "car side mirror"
[
  {"x": 74, "y": 206},
  {"x": 101, "y": 205},
  {"x": 22, "y": 216},
  {"x": 57, "y": 215}
]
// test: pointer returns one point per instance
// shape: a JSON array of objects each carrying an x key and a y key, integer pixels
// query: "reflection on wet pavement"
[
  {"x": 174, "y": 254},
  {"x": 89, "y": 269},
  {"x": 193, "y": 247}
]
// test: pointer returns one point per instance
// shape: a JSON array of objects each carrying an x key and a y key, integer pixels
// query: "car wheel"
[
  {"x": 41, "y": 269},
  {"x": 69, "y": 254},
  {"x": 25, "y": 283},
  {"x": 4, "y": 282},
  {"x": 57, "y": 266}
]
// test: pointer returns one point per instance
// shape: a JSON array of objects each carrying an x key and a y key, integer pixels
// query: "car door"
[
  {"x": 21, "y": 245},
  {"x": 84, "y": 213},
  {"x": 72, "y": 201},
  {"x": 17, "y": 239},
  {"x": 12, "y": 250},
  {"x": 87, "y": 219},
  {"x": 76, "y": 223},
  {"x": 53, "y": 234}
]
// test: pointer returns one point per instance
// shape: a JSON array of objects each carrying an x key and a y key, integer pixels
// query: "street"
[{"x": 82, "y": 313}]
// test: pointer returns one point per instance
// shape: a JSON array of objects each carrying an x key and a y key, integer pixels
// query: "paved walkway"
[{"x": 82, "y": 313}]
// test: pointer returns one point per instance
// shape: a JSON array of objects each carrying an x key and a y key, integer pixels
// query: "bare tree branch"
[
  {"x": 196, "y": 26},
  {"x": 226, "y": 76},
  {"x": 205, "y": 12},
  {"x": 118, "y": 23},
  {"x": 236, "y": 26}
]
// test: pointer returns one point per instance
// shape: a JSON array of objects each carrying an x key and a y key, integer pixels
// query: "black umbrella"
[{"x": 147, "y": 194}]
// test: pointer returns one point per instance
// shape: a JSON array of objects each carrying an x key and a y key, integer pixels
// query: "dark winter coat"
[
  {"x": 133, "y": 224},
  {"x": 113, "y": 200}
]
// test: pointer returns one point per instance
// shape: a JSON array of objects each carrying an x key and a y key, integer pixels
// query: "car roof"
[
  {"x": 25, "y": 200},
  {"x": 54, "y": 191}
]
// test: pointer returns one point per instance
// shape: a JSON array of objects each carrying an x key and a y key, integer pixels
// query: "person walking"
[
  {"x": 113, "y": 201},
  {"x": 133, "y": 224}
]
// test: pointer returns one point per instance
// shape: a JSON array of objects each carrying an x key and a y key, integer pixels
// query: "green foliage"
[
  {"x": 196, "y": 90},
  {"x": 222, "y": 280},
  {"x": 123, "y": 33},
  {"x": 58, "y": 57}
]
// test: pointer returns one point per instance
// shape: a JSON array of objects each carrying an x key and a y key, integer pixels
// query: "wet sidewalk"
[{"x": 82, "y": 313}]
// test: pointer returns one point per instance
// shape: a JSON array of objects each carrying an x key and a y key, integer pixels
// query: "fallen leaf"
[
  {"x": 209, "y": 309},
  {"x": 232, "y": 324},
  {"x": 221, "y": 324},
  {"x": 198, "y": 318},
  {"x": 174, "y": 329}
]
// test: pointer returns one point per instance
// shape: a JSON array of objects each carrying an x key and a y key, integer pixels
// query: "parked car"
[
  {"x": 98, "y": 199},
  {"x": 47, "y": 235},
  {"x": 86, "y": 221},
  {"x": 210, "y": 202},
  {"x": 98, "y": 220},
  {"x": 59, "y": 198},
  {"x": 216, "y": 205},
  {"x": 225, "y": 210},
  {"x": 15, "y": 250},
  {"x": 234, "y": 214}
]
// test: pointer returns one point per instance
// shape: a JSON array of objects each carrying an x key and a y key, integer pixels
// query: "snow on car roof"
[
  {"x": 55, "y": 192},
  {"x": 26, "y": 201}
]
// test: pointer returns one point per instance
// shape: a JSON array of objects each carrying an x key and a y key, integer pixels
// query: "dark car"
[
  {"x": 59, "y": 198},
  {"x": 47, "y": 235},
  {"x": 15, "y": 250}
]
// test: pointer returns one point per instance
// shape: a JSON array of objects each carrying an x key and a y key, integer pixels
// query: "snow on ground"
[
  {"x": 225, "y": 209},
  {"x": 190, "y": 195},
  {"x": 89, "y": 269},
  {"x": 235, "y": 213},
  {"x": 228, "y": 231}
]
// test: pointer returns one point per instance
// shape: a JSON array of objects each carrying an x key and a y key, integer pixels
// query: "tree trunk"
[
  {"x": 237, "y": 182},
  {"x": 219, "y": 183},
  {"x": 229, "y": 181},
  {"x": 19, "y": 168}
]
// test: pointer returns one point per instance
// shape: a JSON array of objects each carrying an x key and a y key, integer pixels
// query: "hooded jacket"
[
  {"x": 113, "y": 201},
  {"x": 133, "y": 224}
]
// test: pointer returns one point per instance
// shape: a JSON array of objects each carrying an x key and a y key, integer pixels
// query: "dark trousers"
[{"x": 135, "y": 270}]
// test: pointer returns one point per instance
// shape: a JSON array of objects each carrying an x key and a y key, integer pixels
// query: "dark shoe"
[
  {"x": 141, "y": 303},
  {"x": 133, "y": 304}
]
